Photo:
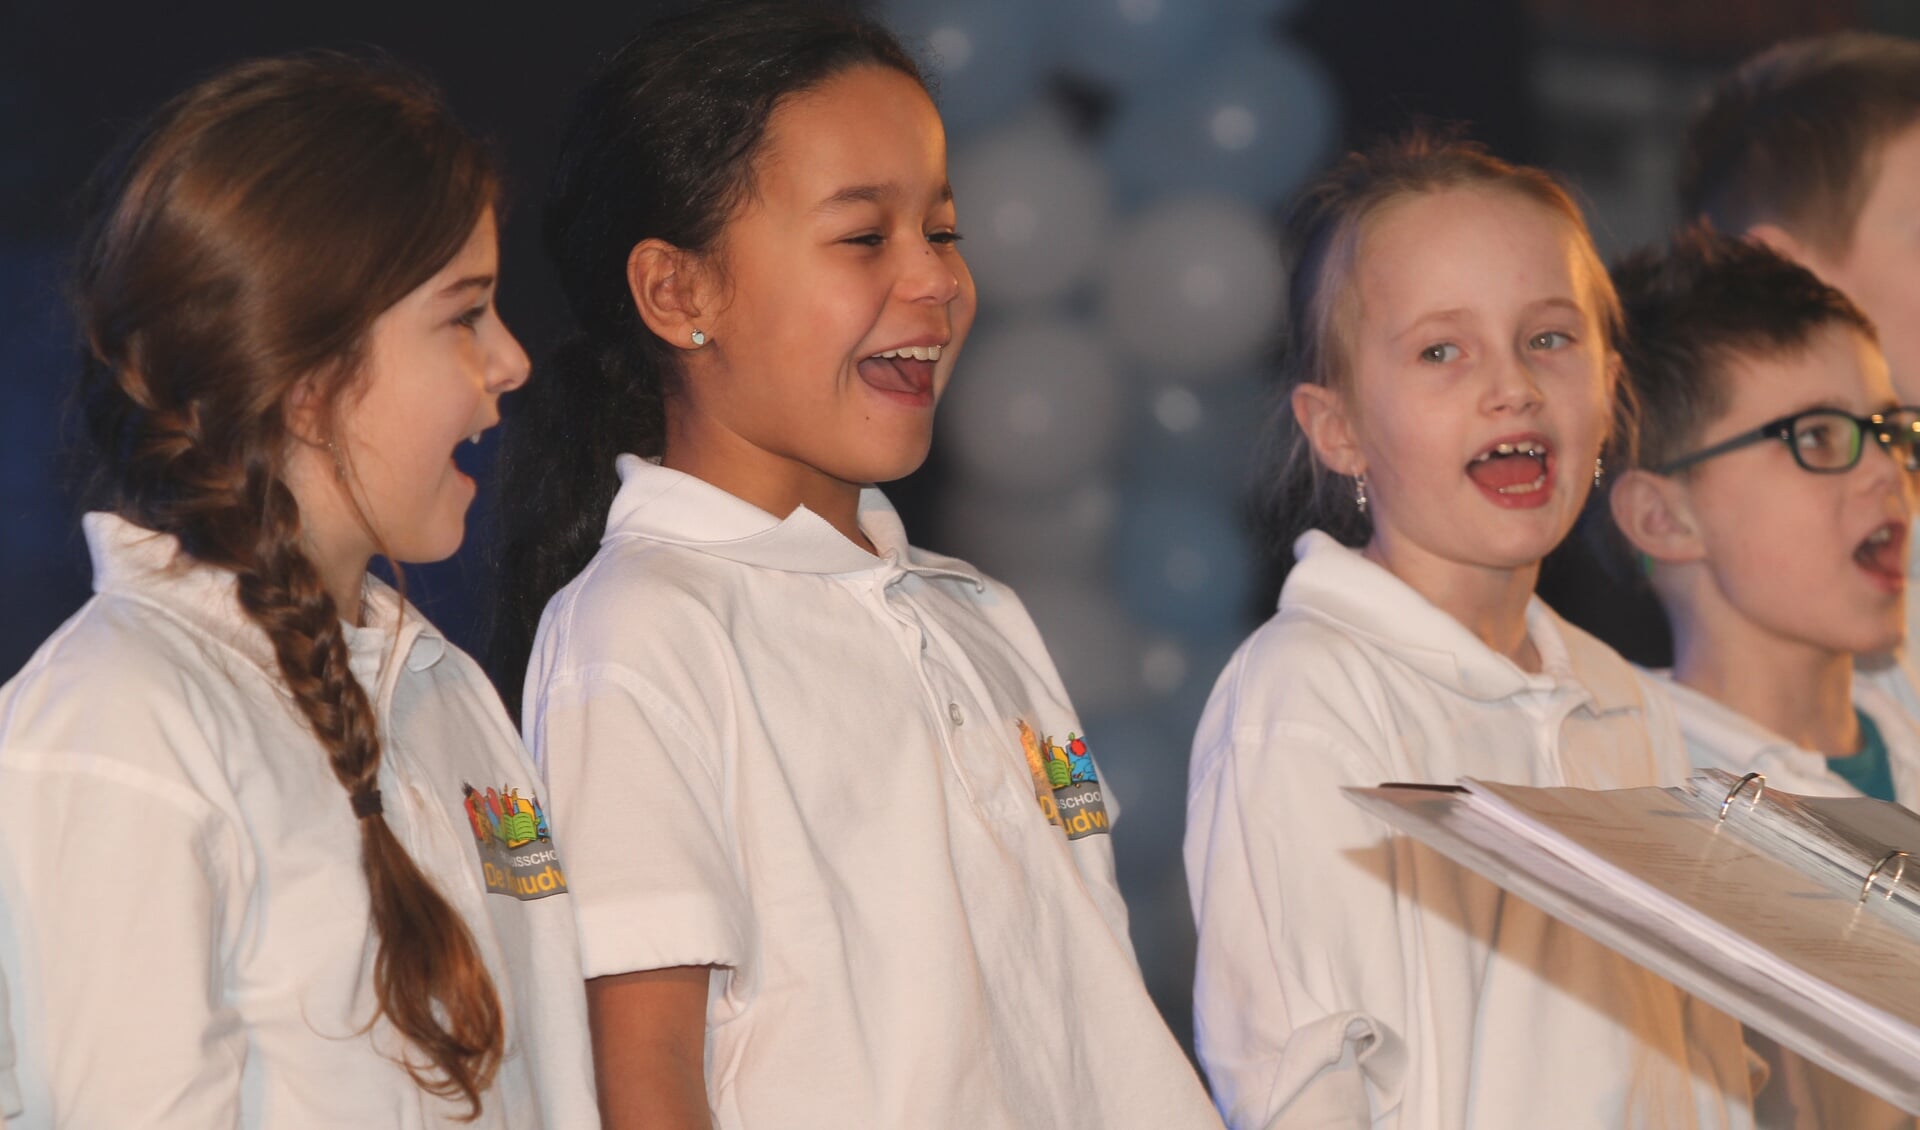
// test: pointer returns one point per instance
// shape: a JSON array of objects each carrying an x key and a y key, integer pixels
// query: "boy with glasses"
[
  {"x": 1813, "y": 148},
  {"x": 1768, "y": 506}
]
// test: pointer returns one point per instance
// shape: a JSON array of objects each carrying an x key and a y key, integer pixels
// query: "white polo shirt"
[
  {"x": 778, "y": 754},
  {"x": 1348, "y": 977},
  {"x": 1801, "y": 1095},
  {"x": 183, "y": 915},
  {"x": 1720, "y": 737}
]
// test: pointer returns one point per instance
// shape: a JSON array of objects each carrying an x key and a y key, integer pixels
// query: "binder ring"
[
  {"x": 1759, "y": 790},
  {"x": 1900, "y": 868}
]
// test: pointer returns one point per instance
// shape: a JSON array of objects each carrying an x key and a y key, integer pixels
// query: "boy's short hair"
[
  {"x": 1792, "y": 137},
  {"x": 1696, "y": 305}
]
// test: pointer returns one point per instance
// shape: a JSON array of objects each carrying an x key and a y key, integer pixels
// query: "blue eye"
[
  {"x": 1549, "y": 339},
  {"x": 1441, "y": 353}
]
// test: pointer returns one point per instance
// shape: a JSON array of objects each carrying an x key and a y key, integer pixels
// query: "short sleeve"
[
  {"x": 9, "y": 1082},
  {"x": 640, "y": 814},
  {"x": 1299, "y": 983},
  {"x": 96, "y": 856}
]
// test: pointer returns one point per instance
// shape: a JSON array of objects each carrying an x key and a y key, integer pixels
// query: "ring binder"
[
  {"x": 1759, "y": 790},
  {"x": 1866, "y": 888}
]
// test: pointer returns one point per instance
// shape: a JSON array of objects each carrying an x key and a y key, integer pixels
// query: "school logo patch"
[
  {"x": 517, "y": 856},
  {"x": 1065, "y": 783}
]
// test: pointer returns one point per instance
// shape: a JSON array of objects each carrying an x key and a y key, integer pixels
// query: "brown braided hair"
[{"x": 247, "y": 240}]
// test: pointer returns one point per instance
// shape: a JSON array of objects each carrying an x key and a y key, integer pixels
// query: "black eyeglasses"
[{"x": 1825, "y": 440}]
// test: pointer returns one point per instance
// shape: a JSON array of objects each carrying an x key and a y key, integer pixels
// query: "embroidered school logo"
[
  {"x": 1065, "y": 783},
  {"x": 517, "y": 856}
]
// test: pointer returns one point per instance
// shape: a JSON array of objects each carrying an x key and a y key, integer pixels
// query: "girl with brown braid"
[{"x": 273, "y": 855}]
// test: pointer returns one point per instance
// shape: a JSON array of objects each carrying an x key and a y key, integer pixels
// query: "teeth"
[
  {"x": 913, "y": 353},
  {"x": 1525, "y": 488},
  {"x": 1881, "y": 536},
  {"x": 1524, "y": 447}
]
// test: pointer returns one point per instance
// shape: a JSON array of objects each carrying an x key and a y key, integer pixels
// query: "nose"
[
  {"x": 1884, "y": 464},
  {"x": 1512, "y": 386},
  {"x": 931, "y": 276},
  {"x": 509, "y": 368}
]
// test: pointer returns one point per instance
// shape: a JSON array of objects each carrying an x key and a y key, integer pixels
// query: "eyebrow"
[
  {"x": 875, "y": 194},
  {"x": 1459, "y": 313},
  {"x": 471, "y": 282}
]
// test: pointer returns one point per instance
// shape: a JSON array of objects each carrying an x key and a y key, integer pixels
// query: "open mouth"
[
  {"x": 1883, "y": 553},
  {"x": 1513, "y": 470},
  {"x": 466, "y": 455},
  {"x": 905, "y": 373}
]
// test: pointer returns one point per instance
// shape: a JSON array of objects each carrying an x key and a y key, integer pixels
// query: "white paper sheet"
[{"x": 1645, "y": 871}]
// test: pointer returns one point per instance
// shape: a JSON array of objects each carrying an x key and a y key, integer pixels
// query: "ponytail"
[
  {"x": 432, "y": 985},
  {"x": 660, "y": 145},
  {"x": 244, "y": 249}
]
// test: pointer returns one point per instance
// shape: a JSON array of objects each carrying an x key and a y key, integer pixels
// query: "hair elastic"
[{"x": 366, "y": 804}]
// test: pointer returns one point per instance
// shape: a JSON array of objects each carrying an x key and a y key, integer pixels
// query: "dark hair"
[
  {"x": 1692, "y": 307},
  {"x": 1325, "y": 230},
  {"x": 661, "y": 145},
  {"x": 246, "y": 242},
  {"x": 1793, "y": 136},
  {"x": 1695, "y": 305}
]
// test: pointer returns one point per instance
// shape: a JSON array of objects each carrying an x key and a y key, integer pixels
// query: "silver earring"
[
  {"x": 339, "y": 462},
  {"x": 1599, "y": 469},
  {"x": 1360, "y": 491},
  {"x": 699, "y": 337}
]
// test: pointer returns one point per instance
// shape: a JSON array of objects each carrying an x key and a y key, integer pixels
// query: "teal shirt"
[{"x": 1867, "y": 770}]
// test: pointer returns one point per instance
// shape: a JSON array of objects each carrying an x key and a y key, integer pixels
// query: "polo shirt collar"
[
  {"x": 135, "y": 561},
  {"x": 1342, "y": 585},
  {"x": 660, "y": 504},
  {"x": 1710, "y": 723}
]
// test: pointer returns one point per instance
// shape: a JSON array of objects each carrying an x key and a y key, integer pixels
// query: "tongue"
[
  {"x": 1889, "y": 557},
  {"x": 894, "y": 374},
  {"x": 1504, "y": 471}
]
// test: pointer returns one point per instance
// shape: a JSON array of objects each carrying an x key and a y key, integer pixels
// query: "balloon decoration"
[
  {"x": 1129, "y": 42},
  {"x": 1196, "y": 284},
  {"x": 1182, "y": 562},
  {"x": 1254, "y": 121},
  {"x": 984, "y": 58},
  {"x": 1033, "y": 204},
  {"x": 1035, "y": 408},
  {"x": 1118, "y": 167},
  {"x": 1019, "y": 536}
]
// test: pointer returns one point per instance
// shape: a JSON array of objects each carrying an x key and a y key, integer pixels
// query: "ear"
[
  {"x": 1323, "y": 416},
  {"x": 309, "y": 417},
  {"x": 1654, "y": 514},
  {"x": 670, "y": 289}
]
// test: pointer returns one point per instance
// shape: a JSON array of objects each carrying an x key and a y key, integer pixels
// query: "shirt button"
[{"x": 954, "y": 715}]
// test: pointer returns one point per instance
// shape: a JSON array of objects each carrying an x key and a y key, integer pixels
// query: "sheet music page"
[
  {"x": 1642, "y": 871},
  {"x": 1848, "y": 834},
  {"x": 1809, "y": 924}
]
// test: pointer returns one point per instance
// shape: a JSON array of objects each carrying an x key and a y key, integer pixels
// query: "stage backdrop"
[{"x": 1120, "y": 168}]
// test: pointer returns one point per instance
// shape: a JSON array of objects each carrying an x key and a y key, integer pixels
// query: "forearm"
[{"x": 649, "y": 1039}]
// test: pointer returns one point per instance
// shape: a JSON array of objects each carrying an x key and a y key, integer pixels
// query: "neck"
[
  {"x": 775, "y": 483},
  {"x": 344, "y": 575},
  {"x": 332, "y": 535},
  {"x": 1491, "y": 602},
  {"x": 1802, "y": 693}
]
